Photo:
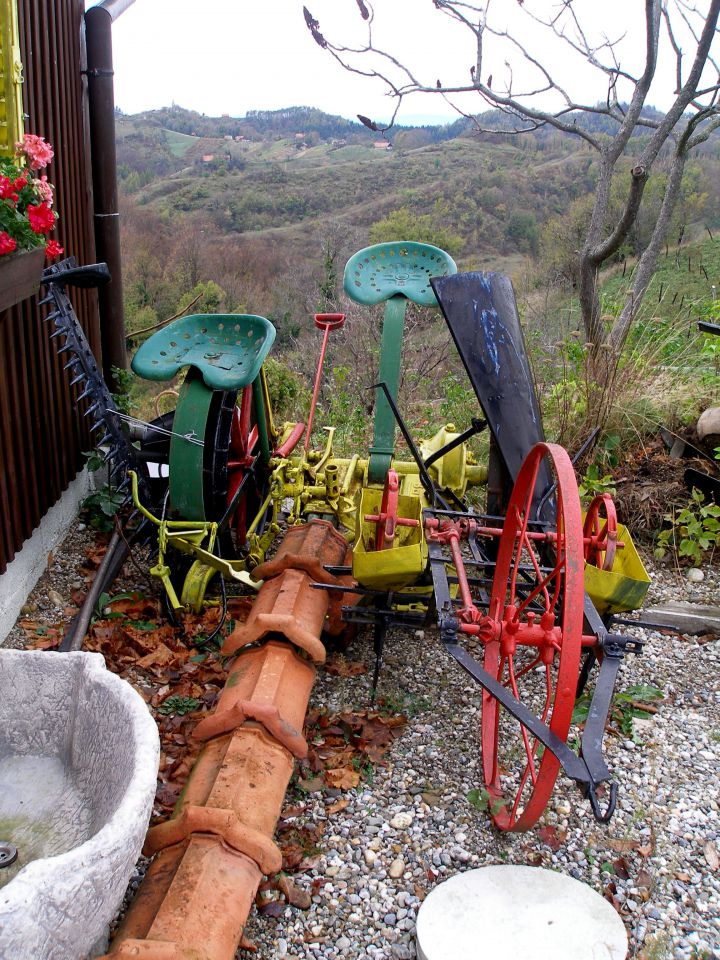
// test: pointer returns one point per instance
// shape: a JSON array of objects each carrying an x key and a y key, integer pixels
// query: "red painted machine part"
[
  {"x": 325, "y": 322},
  {"x": 537, "y": 608},
  {"x": 600, "y": 535},
  {"x": 387, "y": 520}
]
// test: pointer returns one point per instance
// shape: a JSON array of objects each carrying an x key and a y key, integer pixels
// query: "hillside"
[{"x": 271, "y": 205}]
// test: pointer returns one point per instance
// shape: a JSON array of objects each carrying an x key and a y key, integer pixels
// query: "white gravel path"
[{"x": 413, "y": 826}]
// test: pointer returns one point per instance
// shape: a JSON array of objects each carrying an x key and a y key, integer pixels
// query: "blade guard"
[{"x": 482, "y": 315}]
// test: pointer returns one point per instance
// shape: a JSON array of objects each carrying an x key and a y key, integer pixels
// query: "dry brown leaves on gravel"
[{"x": 343, "y": 745}]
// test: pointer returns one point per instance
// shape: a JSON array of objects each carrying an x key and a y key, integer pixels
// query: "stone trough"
[{"x": 78, "y": 766}]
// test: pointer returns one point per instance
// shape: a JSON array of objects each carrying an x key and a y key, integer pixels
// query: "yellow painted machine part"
[
  {"x": 624, "y": 587},
  {"x": 399, "y": 565},
  {"x": 456, "y": 470},
  {"x": 11, "y": 78}
]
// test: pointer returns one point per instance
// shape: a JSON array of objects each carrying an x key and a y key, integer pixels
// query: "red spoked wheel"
[
  {"x": 243, "y": 444},
  {"x": 600, "y": 532},
  {"x": 536, "y": 610}
]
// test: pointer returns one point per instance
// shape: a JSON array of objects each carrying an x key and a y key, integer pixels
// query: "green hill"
[{"x": 270, "y": 206}]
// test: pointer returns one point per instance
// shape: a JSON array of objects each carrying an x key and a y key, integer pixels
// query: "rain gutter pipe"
[{"x": 101, "y": 102}]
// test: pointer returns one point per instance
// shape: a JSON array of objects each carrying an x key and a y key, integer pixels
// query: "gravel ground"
[{"x": 411, "y": 825}]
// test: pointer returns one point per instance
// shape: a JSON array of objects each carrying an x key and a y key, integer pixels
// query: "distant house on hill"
[
  {"x": 382, "y": 145},
  {"x": 208, "y": 157}
]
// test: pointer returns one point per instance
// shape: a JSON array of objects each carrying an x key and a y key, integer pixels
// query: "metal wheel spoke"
[
  {"x": 526, "y": 739},
  {"x": 527, "y": 668},
  {"x": 551, "y": 582}
]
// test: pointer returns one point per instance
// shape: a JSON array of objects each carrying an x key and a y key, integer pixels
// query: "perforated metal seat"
[
  {"x": 227, "y": 349},
  {"x": 404, "y": 268}
]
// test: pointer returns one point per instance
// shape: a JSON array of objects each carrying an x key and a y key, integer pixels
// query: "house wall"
[{"x": 42, "y": 435}]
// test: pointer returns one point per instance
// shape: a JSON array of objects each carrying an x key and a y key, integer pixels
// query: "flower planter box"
[{"x": 20, "y": 275}]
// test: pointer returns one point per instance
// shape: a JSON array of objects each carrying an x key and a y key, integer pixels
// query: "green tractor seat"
[
  {"x": 403, "y": 268},
  {"x": 227, "y": 349},
  {"x": 393, "y": 273}
]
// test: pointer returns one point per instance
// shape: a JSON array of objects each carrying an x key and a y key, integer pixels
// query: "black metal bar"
[
  {"x": 480, "y": 517},
  {"x": 477, "y": 426},
  {"x": 427, "y": 483},
  {"x": 575, "y": 767},
  {"x": 709, "y": 327}
]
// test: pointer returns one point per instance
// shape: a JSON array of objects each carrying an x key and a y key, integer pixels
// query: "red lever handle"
[{"x": 329, "y": 321}]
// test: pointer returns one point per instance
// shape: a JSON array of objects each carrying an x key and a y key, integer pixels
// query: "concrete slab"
[
  {"x": 79, "y": 755},
  {"x": 685, "y": 617},
  {"x": 29, "y": 563},
  {"x": 511, "y": 912}
]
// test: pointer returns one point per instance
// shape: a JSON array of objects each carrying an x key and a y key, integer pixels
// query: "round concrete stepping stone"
[{"x": 510, "y": 913}]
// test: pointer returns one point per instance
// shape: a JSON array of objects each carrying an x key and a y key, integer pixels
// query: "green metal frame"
[
  {"x": 186, "y": 455},
  {"x": 392, "y": 273},
  {"x": 383, "y": 446}
]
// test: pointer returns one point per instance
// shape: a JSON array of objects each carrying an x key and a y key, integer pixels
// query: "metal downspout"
[{"x": 101, "y": 102}]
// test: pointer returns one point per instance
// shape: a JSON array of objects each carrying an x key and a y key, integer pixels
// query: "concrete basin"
[{"x": 78, "y": 766}]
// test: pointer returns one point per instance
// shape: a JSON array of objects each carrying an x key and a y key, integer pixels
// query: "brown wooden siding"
[{"x": 41, "y": 434}]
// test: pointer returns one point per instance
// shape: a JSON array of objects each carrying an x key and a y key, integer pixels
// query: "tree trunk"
[{"x": 646, "y": 264}]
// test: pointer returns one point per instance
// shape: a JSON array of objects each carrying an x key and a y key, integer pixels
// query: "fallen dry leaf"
[
  {"x": 622, "y": 868},
  {"x": 340, "y": 667},
  {"x": 48, "y": 642},
  {"x": 553, "y": 837},
  {"x": 161, "y": 656},
  {"x": 167, "y": 794},
  {"x": 312, "y": 784},
  {"x": 294, "y": 895},
  {"x": 272, "y": 908},
  {"x": 342, "y": 778},
  {"x": 433, "y": 798},
  {"x": 711, "y": 855},
  {"x": 610, "y": 894},
  {"x": 135, "y": 607},
  {"x": 623, "y": 846},
  {"x": 337, "y": 807}
]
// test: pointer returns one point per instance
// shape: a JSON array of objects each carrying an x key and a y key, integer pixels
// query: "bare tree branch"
[{"x": 689, "y": 121}]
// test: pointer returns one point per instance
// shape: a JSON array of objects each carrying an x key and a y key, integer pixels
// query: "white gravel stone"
[{"x": 402, "y": 820}]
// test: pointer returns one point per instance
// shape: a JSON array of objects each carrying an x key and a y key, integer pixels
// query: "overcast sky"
[{"x": 231, "y": 56}]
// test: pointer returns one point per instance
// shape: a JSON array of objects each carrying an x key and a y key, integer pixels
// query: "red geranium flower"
[
  {"x": 7, "y": 244},
  {"x": 53, "y": 249},
  {"x": 41, "y": 218}
]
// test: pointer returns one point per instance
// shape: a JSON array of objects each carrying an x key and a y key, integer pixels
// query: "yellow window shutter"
[{"x": 11, "y": 107}]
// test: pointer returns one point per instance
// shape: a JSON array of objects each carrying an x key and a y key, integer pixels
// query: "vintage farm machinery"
[{"x": 520, "y": 591}]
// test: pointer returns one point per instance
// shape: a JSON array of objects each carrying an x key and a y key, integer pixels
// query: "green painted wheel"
[{"x": 199, "y": 450}]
